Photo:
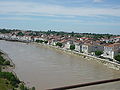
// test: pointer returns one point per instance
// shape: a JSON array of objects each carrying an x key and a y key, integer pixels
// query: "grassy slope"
[{"x": 4, "y": 85}]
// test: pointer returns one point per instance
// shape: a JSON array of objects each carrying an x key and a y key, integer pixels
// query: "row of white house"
[
  {"x": 109, "y": 51},
  {"x": 20, "y": 38}
]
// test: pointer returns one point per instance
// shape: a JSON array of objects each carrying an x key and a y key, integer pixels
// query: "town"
[{"x": 106, "y": 46}]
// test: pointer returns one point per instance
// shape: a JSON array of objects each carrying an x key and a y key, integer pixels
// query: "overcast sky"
[{"x": 94, "y": 16}]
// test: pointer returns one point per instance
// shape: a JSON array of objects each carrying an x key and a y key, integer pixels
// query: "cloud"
[
  {"x": 15, "y": 18},
  {"x": 98, "y": 1},
  {"x": 39, "y": 9}
]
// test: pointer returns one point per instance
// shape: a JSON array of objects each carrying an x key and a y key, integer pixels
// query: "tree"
[
  {"x": 7, "y": 63},
  {"x": 117, "y": 57},
  {"x": 72, "y": 47},
  {"x": 39, "y": 41},
  {"x": 98, "y": 53},
  {"x": 0, "y": 68},
  {"x": 20, "y": 34},
  {"x": 22, "y": 86},
  {"x": 59, "y": 44},
  {"x": 33, "y": 88},
  {"x": 45, "y": 42}
]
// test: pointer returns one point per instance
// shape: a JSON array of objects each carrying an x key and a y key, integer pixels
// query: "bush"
[
  {"x": 7, "y": 63},
  {"x": 117, "y": 57},
  {"x": 45, "y": 42},
  {"x": 98, "y": 53},
  {"x": 1, "y": 60},
  {"x": 59, "y": 44},
  {"x": 11, "y": 77},
  {"x": 72, "y": 47},
  {"x": 39, "y": 41}
]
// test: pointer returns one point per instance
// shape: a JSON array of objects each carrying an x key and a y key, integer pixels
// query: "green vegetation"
[
  {"x": 117, "y": 57},
  {"x": 23, "y": 87},
  {"x": 8, "y": 81},
  {"x": 5, "y": 31},
  {"x": 98, "y": 53},
  {"x": 14, "y": 81},
  {"x": 39, "y": 41},
  {"x": 5, "y": 84},
  {"x": 20, "y": 34},
  {"x": 3, "y": 61},
  {"x": 45, "y": 42},
  {"x": 59, "y": 44},
  {"x": 72, "y": 47},
  {"x": 33, "y": 88},
  {"x": 6, "y": 62}
]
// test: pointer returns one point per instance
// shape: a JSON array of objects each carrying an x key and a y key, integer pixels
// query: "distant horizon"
[
  {"x": 89, "y": 16},
  {"x": 56, "y": 31}
]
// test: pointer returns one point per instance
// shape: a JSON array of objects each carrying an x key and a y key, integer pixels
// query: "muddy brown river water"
[{"x": 46, "y": 68}]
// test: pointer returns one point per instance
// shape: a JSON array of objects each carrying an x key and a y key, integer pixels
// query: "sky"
[{"x": 82, "y": 16}]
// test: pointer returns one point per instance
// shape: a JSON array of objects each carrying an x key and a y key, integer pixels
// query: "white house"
[
  {"x": 53, "y": 42},
  {"x": 67, "y": 45},
  {"x": 89, "y": 48},
  {"x": 78, "y": 46},
  {"x": 111, "y": 50}
]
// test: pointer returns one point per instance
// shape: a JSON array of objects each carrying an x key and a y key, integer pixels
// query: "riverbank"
[
  {"x": 8, "y": 78},
  {"x": 8, "y": 68},
  {"x": 109, "y": 64}
]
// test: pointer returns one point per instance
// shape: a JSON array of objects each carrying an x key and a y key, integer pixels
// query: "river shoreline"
[
  {"x": 109, "y": 64},
  {"x": 12, "y": 65}
]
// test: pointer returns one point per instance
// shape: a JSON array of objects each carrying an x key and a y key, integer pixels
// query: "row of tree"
[{"x": 41, "y": 41}]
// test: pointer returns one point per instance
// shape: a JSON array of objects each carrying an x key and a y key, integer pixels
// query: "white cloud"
[
  {"x": 37, "y": 9},
  {"x": 97, "y": 1},
  {"x": 15, "y": 18}
]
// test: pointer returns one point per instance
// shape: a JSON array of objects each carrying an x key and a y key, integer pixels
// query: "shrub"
[
  {"x": 7, "y": 63},
  {"x": 117, "y": 57},
  {"x": 59, "y": 44},
  {"x": 72, "y": 47},
  {"x": 98, "y": 53}
]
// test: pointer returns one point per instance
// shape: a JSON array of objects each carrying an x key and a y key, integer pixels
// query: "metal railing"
[{"x": 86, "y": 84}]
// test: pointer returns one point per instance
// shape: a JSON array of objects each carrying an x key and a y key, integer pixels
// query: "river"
[{"x": 46, "y": 68}]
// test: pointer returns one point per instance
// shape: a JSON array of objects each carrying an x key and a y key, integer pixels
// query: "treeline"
[{"x": 75, "y": 34}]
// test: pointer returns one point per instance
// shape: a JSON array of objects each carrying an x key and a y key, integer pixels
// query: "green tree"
[
  {"x": 0, "y": 68},
  {"x": 45, "y": 42},
  {"x": 7, "y": 63},
  {"x": 72, "y": 47},
  {"x": 98, "y": 53},
  {"x": 39, "y": 41},
  {"x": 59, "y": 44},
  {"x": 20, "y": 34},
  {"x": 22, "y": 86},
  {"x": 117, "y": 57},
  {"x": 33, "y": 88}
]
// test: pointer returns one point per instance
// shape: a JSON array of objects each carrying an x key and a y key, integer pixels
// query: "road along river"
[{"x": 46, "y": 68}]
